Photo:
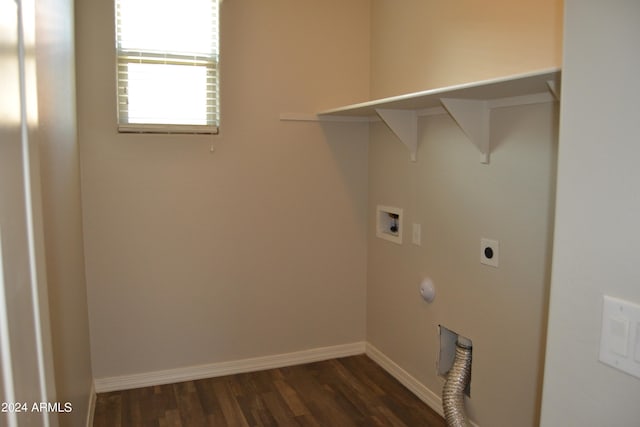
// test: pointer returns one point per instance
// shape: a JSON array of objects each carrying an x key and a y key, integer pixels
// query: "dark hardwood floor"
[{"x": 350, "y": 391}]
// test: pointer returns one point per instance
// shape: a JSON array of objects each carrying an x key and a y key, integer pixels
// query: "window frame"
[{"x": 126, "y": 56}]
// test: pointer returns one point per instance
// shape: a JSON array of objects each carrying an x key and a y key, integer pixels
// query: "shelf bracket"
[
  {"x": 404, "y": 124},
  {"x": 473, "y": 117},
  {"x": 554, "y": 88}
]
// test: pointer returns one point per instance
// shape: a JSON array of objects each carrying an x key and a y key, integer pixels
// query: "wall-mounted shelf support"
[
  {"x": 473, "y": 116},
  {"x": 469, "y": 104},
  {"x": 404, "y": 123},
  {"x": 554, "y": 87}
]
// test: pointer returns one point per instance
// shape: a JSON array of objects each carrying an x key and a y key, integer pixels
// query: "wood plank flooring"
[{"x": 345, "y": 392}]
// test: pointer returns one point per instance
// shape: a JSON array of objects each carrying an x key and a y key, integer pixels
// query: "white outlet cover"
[{"x": 489, "y": 252}]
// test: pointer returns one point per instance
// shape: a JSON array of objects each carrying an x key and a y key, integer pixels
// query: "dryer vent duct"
[{"x": 455, "y": 384}]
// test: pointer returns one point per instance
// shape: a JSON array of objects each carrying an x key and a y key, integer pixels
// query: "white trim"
[
  {"x": 433, "y": 400},
  {"x": 168, "y": 129},
  {"x": 91, "y": 410},
  {"x": 6, "y": 364},
  {"x": 511, "y": 101},
  {"x": 125, "y": 382},
  {"x": 518, "y": 84},
  {"x": 416, "y": 387},
  {"x": 169, "y": 376}
]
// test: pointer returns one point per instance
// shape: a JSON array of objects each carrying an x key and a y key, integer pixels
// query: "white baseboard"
[
  {"x": 433, "y": 400},
  {"x": 91, "y": 410},
  {"x": 169, "y": 376},
  {"x": 423, "y": 392},
  {"x": 125, "y": 382}
]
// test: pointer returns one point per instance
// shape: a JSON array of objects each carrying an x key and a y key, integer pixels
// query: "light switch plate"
[
  {"x": 416, "y": 235},
  {"x": 619, "y": 346},
  {"x": 636, "y": 349}
]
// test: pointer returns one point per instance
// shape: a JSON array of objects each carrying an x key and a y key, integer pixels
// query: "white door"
[{"x": 25, "y": 368}]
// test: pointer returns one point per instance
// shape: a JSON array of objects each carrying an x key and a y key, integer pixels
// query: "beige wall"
[
  {"x": 260, "y": 247},
  {"x": 257, "y": 248},
  {"x": 597, "y": 238},
  {"x": 458, "y": 201},
  {"x": 61, "y": 207},
  {"x": 424, "y": 44}
]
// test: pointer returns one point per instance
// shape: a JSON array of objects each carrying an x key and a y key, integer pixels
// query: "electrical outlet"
[{"x": 489, "y": 252}]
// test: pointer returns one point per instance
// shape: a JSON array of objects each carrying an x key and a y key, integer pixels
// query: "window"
[{"x": 167, "y": 66}]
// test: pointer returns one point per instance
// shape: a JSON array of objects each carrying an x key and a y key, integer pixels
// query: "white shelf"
[{"x": 469, "y": 104}]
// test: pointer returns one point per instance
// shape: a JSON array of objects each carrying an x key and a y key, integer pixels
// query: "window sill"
[{"x": 168, "y": 129}]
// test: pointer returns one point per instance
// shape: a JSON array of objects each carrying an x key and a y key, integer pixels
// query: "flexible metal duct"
[{"x": 457, "y": 380}]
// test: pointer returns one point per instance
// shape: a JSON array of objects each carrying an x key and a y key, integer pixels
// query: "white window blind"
[{"x": 167, "y": 66}]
